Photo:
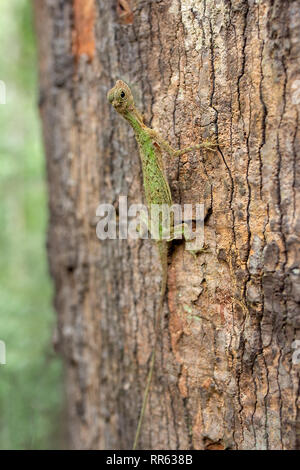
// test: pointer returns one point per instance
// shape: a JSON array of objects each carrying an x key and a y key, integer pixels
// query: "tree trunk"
[{"x": 226, "y": 372}]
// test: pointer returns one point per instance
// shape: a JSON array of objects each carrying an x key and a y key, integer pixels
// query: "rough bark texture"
[{"x": 224, "y": 375}]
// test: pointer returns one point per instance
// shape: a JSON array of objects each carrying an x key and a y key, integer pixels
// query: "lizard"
[{"x": 157, "y": 191}]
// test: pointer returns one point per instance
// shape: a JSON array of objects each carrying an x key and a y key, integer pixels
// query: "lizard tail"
[{"x": 163, "y": 252}]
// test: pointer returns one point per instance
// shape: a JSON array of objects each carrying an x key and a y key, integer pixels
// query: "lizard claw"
[{"x": 210, "y": 143}]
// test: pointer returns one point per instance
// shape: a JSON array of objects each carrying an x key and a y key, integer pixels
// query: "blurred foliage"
[{"x": 31, "y": 381}]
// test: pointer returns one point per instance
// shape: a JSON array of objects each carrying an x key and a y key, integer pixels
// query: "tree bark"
[{"x": 225, "y": 375}]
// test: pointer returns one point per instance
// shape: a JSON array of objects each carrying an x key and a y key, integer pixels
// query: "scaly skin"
[{"x": 156, "y": 188}]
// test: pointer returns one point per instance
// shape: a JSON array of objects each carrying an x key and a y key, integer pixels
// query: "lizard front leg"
[{"x": 209, "y": 144}]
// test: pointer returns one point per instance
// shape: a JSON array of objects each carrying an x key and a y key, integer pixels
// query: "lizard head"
[{"x": 121, "y": 97}]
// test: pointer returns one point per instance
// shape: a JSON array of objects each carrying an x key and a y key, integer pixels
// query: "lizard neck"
[{"x": 135, "y": 119}]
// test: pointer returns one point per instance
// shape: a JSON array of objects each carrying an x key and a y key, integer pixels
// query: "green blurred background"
[{"x": 31, "y": 392}]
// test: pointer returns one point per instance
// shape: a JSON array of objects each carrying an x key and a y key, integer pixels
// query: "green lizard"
[{"x": 157, "y": 191}]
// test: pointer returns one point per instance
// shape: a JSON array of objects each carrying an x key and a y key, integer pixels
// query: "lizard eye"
[{"x": 122, "y": 94}]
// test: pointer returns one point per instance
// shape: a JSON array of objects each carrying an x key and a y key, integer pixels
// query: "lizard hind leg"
[{"x": 184, "y": 230}]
